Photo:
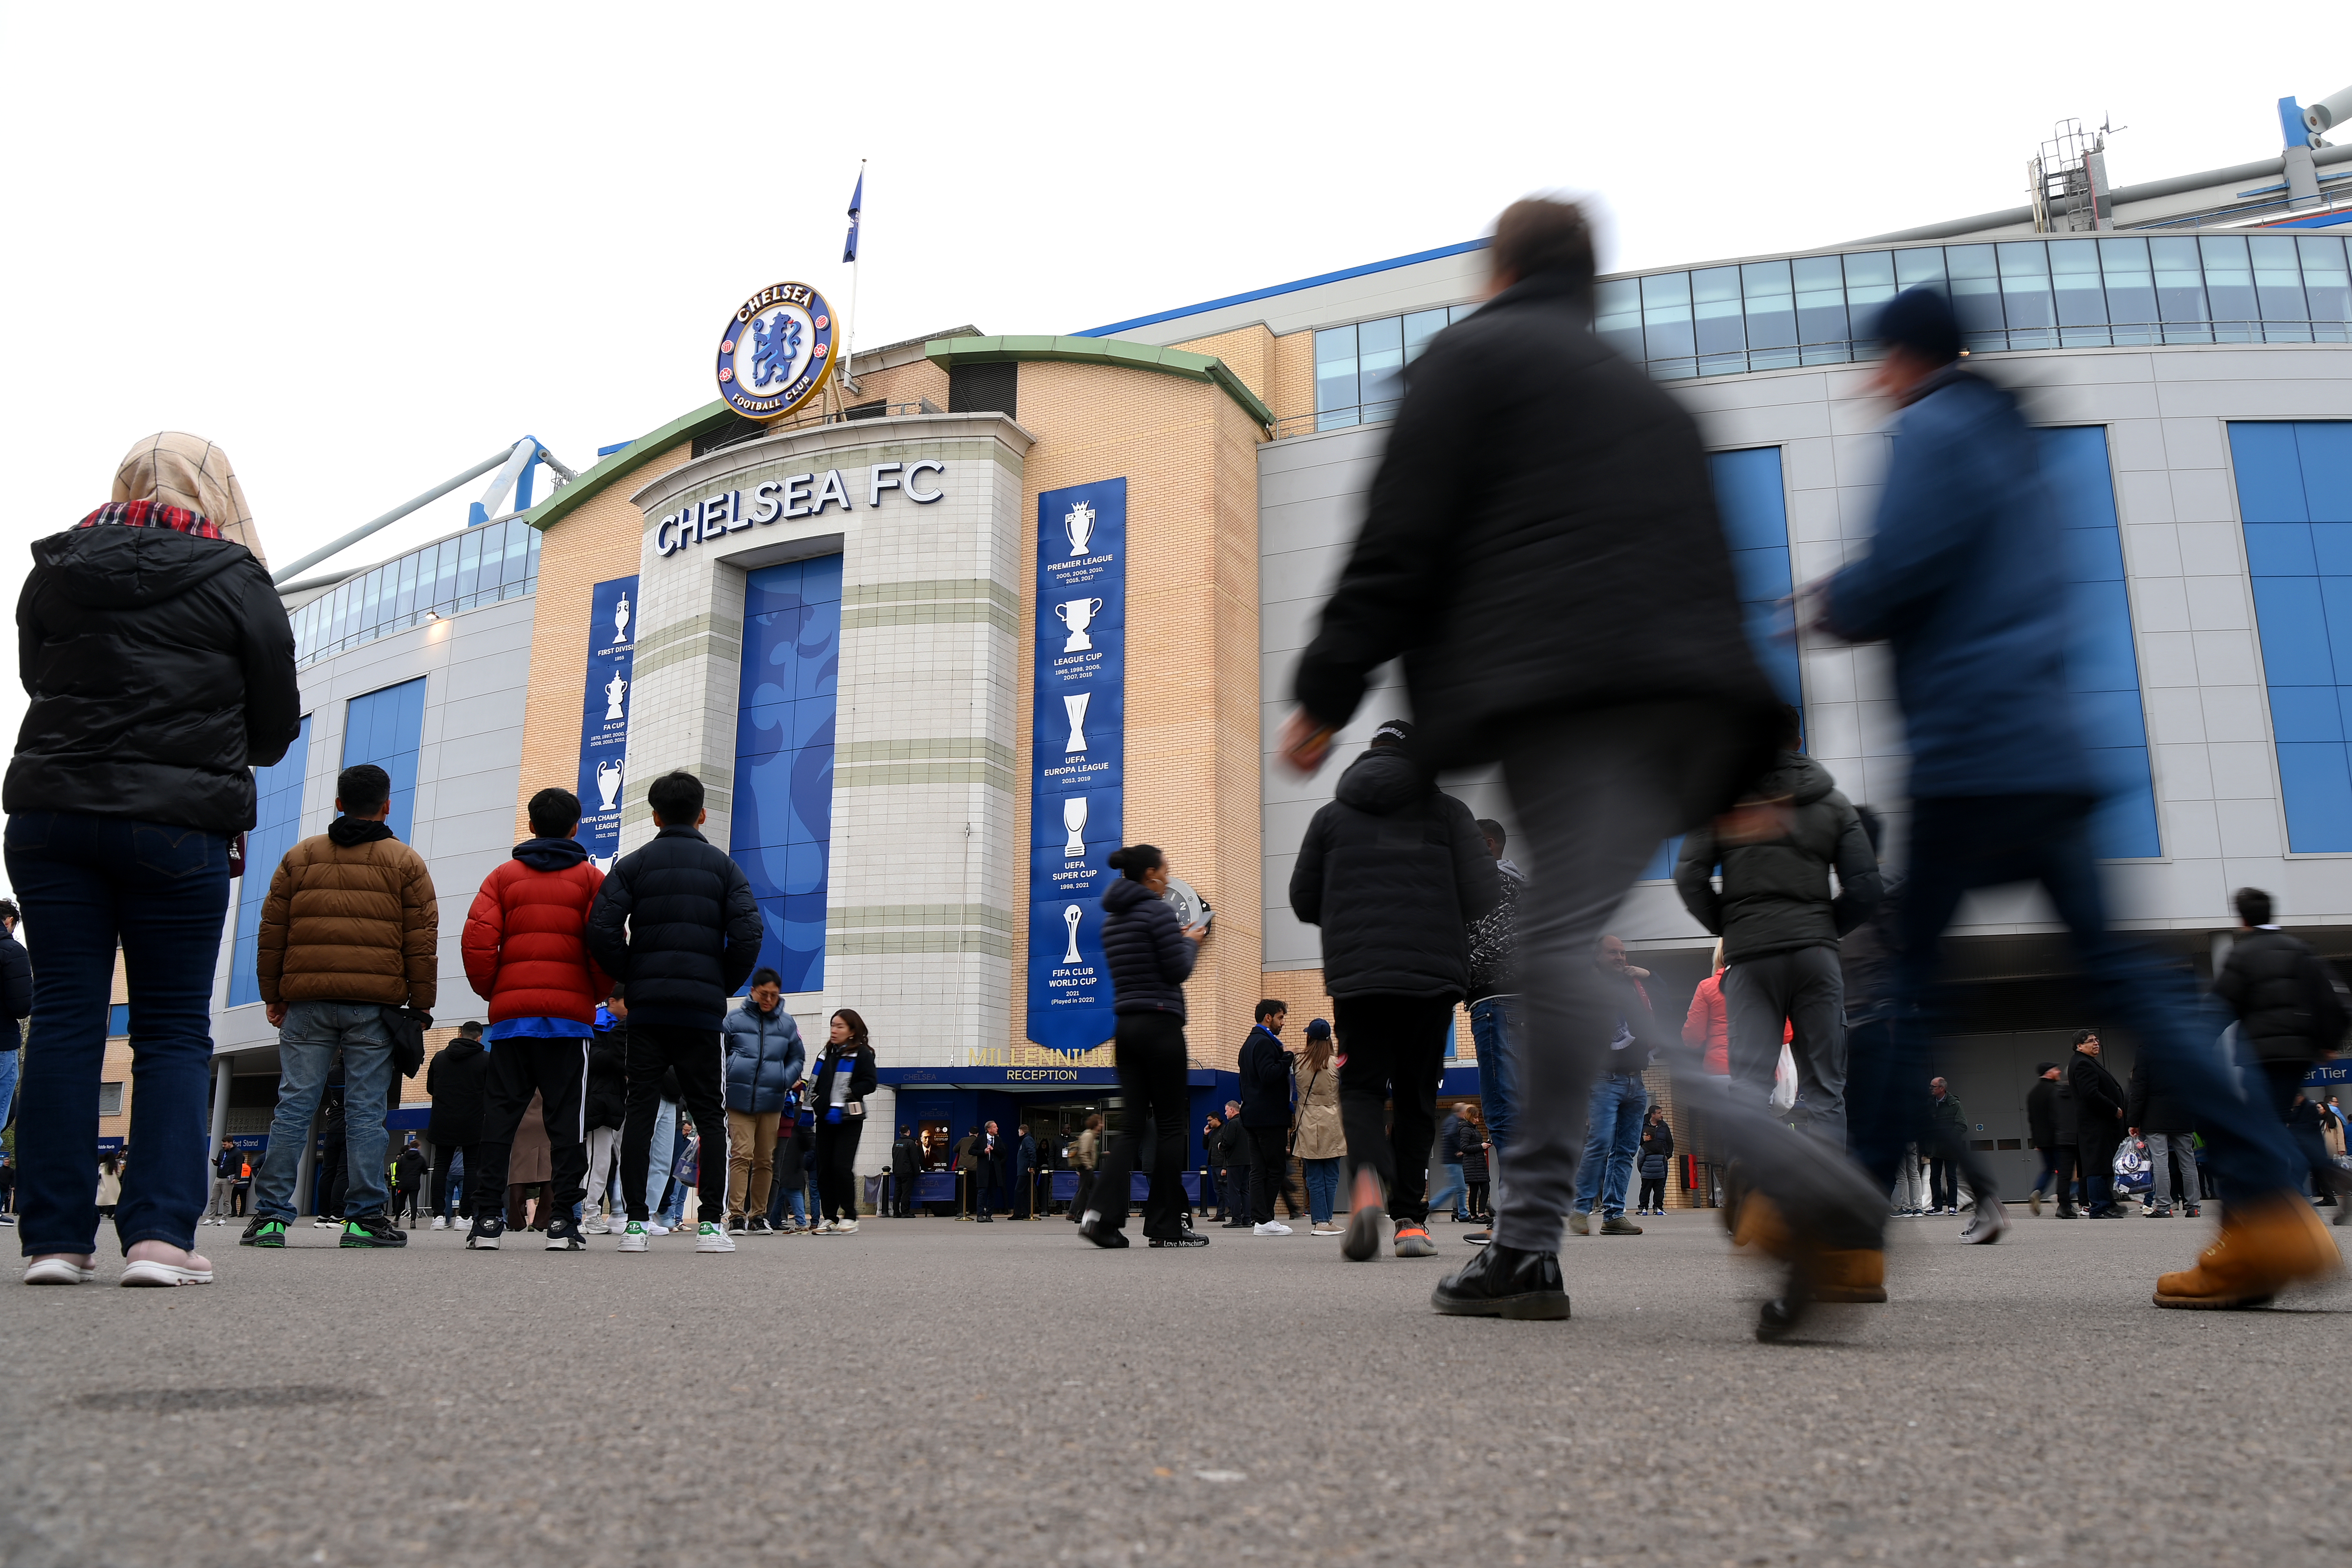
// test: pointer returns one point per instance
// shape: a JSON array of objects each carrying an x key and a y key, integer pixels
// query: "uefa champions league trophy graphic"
[
  {"x": 613, "y": 691},
  {"x": 621, "y": 620},
  {"x": 1080, "y": 526},
  {"x": 1077, "y": 615},
  {"x": 1071, "y": 915},
  {"x": 608, "y": 784},
  {"x": 1073, "y": 823},
  {"x": 1076, "y": 709}
]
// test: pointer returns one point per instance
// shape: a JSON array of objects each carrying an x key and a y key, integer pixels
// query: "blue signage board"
[
  {"x": 1079, "y": 757},
  {"x": 2329, "y": 1073},
  {"x": 604, "y": 715}
]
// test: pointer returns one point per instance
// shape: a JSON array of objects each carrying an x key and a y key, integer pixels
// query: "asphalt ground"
[{"x": 930, "y": 1392}]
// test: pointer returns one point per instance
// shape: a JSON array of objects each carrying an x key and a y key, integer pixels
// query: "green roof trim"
[
  {"x": 949, "y": 353},
  {"x": 628, "y": 461}
]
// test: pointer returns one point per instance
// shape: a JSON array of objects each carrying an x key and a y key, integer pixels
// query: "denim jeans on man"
[
  {"x": 87, "y": 883},
  {"x": 1451, "y": 1190},
  {"x": 1495, "y": 1029},
  {"x": 7, "y": 1080},
  {"x": 313, "y": 1034},
  {"x": 1619, "y": 1103}
]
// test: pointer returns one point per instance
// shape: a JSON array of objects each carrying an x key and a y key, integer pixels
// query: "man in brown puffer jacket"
[{"x": 350, "y": 928}]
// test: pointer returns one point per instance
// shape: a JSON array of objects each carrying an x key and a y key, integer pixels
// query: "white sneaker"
[
  {"x": 323, "y": 1223},
  {"x": 1985, "y": 1226},
  {"x": 440, "y": 1222},
  {"x": 656, "y": 1227},
  {"x": 632, "y": 1236},
  {"x": 827, "y": 1228},
  {"x": 847, "y": 1228},
  {"x": 1325, "y": 1228},
  {"x": 1271, "y": 1227},
  {"x": 596, "y": 1227},
  {"x": 713, "y": 1238}
]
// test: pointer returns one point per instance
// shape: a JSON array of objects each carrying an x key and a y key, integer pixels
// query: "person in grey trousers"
[{"x": 1780, "y": 923}]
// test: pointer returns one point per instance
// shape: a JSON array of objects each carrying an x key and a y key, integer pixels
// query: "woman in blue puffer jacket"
[{"x": 1149, "y": 958}]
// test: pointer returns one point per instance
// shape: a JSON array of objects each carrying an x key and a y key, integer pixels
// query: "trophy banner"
[
  {"x": 605, "y": 699},
  {"x": 1078, "y": 758}
]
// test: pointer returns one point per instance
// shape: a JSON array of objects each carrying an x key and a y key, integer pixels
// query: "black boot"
[{"x": 1504, "y": 1282}]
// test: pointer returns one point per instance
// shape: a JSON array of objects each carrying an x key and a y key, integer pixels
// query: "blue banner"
[
  {"x": 604, "y": 715},
  {"x": 1077, "y": 745}
]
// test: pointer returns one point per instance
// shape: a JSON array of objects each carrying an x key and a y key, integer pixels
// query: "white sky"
[{"x": 363, "y": 248}]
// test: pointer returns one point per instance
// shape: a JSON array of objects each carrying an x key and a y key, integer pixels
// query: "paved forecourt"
[{"x": 927, "y": 1390}]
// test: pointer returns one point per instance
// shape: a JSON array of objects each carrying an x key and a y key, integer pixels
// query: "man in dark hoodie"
[
  {"x": 455, "y": 1128},
  {"x": 1264, "y": 1069},
  {"x": 1780, "y": 926},
  {"x": 1392, "y": 869},
  {"x": 526, "y": 951}
]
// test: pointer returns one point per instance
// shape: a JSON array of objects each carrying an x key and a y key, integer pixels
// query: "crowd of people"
[{"x": 619, "y": 1088}]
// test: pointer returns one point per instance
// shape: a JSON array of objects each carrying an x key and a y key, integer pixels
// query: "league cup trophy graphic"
[
  {"x": 621, "y": 620},
  {"x": 608, "y": 784},
  {"x": 1076, "y": 709},
  {"x": 1077, "y": 615},
  {"x": 614, "y": 689},
  {"x": 1073, "y": 823},
  {"x": 1080, "y": 526},
  {"x": 1070, "y": 918}
]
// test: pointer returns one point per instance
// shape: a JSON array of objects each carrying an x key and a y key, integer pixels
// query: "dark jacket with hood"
[
  {"x": 1145, "y": 950},
  {"x": 1541, "y": 538},
  {"x": 607, "y": 1101},
  {"x": 455, "y": 1080},
  {"x": 677, "y": 922},
  {"x": 2284, "y": 996},
  {"x": 2156, "y": 1105},
  {"x": 1776, "y": 889},
  {"x": 1393, "y": 868},
  {"x": 2050, "y": 1114},
  {"x": 160, "y": 670},
  {"x": 1265, "y": 1070}
]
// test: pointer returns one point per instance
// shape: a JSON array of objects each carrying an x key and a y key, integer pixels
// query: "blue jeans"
[
  {"x": 1495, "y": 1028},
  {"x": 661, "y": 1153},
  {"x": 7, "y": 1080},
  {"x": 1450, "y": 1187},
  {"x": 313, "y": 1034},
  {"x": 1322, "y": 1187},
  {"x": 86, "y": 883},
  {"x": 1618, "y": 1104},
  {"x": 672, "y": 1213}
]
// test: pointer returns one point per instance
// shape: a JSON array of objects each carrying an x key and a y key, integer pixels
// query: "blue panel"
[
  {"x": 2326, "y": 449},
  {"x": 2331, "y": 549},
  {"x": 2270, "y": 476},
  {"x": 2317, "y": 783},
  {"x": 2294, "y": 632},
  {"x": 2310, "y": 714},
  {"x": 387, "y": 728},
  {"x": 277, "y": 824},
  {"x": 1755, "y": 513},
  {"x": 782, "y": 828},
  {"x": 2335, "y": 604},
  {"x": 2279, "y": 550}
]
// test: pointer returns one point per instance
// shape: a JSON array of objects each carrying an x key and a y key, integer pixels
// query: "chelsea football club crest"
[{"x": 776, "y": 352}]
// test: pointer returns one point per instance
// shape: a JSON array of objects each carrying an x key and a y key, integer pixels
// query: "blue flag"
[{"x": 857, "y": 200}]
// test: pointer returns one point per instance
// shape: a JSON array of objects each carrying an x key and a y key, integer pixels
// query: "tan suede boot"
[
  {"x": 1856, "y": 1275},
  {"x": 2265, "y": 1245}
]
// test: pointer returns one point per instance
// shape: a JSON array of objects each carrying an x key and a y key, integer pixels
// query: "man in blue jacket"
[
  {"x": 1264, "y": 1067},
  {"x": 764, "y": 1060},
  {"x": 1963, "y": 582}
]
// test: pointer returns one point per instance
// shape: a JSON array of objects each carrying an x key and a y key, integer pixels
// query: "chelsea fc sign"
[{"x": 776, "y": 352}]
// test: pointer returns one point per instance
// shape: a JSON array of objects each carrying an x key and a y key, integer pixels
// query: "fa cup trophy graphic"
[
  {"x": 1073, "y": 823},
  {"x": 1070, "y": 918},
  {"x": 613, "y": 691},
  {"x": 1080, "y": 526},
  {"x": 1077, "y": 615},
  {"x": 621, "y": 620},
  {"x": 1076, "y": 709}
]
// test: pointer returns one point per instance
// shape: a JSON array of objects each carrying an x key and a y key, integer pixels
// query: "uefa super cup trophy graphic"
[
  {"x": 1077, "y": 615},
  {"x": 1080, "y": 526},
  {"x": 608, "y": 784},
  {"x": 1071, "y": 915},
  {"x": 613, "y": 691},
  {"x": 621, "y": 620},
  {"x": 1073, "y": 823},
  {"x": 1075, "y": 707}
]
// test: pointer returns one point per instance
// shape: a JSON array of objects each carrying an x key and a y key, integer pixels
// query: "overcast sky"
[{"x": 363, "y": 248}]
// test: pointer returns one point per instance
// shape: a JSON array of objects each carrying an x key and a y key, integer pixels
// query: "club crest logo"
[{"x": 776, "y": 352}]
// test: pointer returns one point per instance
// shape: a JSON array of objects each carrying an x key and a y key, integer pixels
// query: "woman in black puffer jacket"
[{"x": 1149, "y": 957}]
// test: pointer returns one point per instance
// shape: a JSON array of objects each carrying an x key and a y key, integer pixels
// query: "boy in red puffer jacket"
[{"x": 526, "y": 954}]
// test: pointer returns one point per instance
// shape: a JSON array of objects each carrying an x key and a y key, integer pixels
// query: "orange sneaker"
[
  {"x": 1414, "y": 1241},
  {"x": 2265, "y": 1245}
]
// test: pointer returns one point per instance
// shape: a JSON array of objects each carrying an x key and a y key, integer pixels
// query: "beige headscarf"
[{"x": 176, "y": 468}]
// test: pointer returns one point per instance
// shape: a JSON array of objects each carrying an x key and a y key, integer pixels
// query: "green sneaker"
[
  {"x": 372, "y": 1230},
  {"x": 264, "y": 1232}
]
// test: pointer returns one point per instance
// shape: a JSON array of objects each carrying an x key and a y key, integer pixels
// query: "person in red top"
[
  {"x": 526, "y": 950},
  {"x": 1707, "y": 1026}
]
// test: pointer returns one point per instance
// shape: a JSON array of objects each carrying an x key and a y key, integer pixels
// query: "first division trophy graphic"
[
  {"x": 1073, "y": 823},
  {"x": 1076, "y": 709},
  {"x": 1080, "y": 526},
  {"x": 621, "y": 620},
  {"x": 1071, "y": 915}
]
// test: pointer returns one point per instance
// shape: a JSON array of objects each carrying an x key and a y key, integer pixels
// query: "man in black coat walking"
[
  {"x": 1393, "y": 869},
  {"x": 455, "y": 1081},
  {"x": 1265, "y": 1070},
  {"x": 1228, "y": 1151},
  {"x": 2050, "y": 1129},
  {"x": 2100, "y": 1108},
  {"x": 906, "y": 1165},
  {"x": 2290, "y": 1013},
  {"x": 675, "y": 923}
]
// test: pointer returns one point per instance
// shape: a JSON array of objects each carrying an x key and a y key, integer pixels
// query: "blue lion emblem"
[{"x": 776, "y": 344}]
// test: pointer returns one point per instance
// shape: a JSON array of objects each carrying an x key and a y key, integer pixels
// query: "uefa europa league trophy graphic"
[
  {"x": 1077, "y": 615},
  {"x": 1076, "y": 709},
  {"x": 614, "y": 689},
  {"x": 608, "y": 784},
  {"x": 1080, "y": 526},
  {"x": 1073, "y": 823},
  {"x": 1070, "y": 918},
  {"x": 621, "y": 620}
]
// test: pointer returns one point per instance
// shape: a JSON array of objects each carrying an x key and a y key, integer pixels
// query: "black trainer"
[
  {"x": 485, "y": 1235},
  {"x": 563, "y": 1235},
  {"x": 1095, "y": 1229},
  {"x": 1187, "y": 1238},
  {"x": 759, "y": 1225},
  {"x": 1504, "y": 1282},
  {"x": 372, "y": 1230}
]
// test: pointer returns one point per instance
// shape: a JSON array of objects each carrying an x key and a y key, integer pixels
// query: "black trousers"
[
  {"x": 557, "y": 1070},
  {"x": 701, "y": 1065},
  {"x": 1023, "y": 1190},
  {"x": 2285, "y": 1081},
  {"x": 1475, "y": 1198},
  {"x": 1233, "y": 1192},
  {"x": 1654, "y": 1193},
  {"x": 1148, "y": 1050},
  {"x": 404, "y": 1201},
  {"x": 1943, "y": 1184},
  {"x": 1393, "y": 1051},
  {"x": 2099, "y": 1147},
  {"x": 1270, "y": 1173},
  {"x": 836, "y": 1165},
  {"x": 2064, "y": 1162},
  {"x": 442, "y": 1161}
]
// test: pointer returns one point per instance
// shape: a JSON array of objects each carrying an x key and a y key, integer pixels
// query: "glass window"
[
  {"x": 530, "y": 565},
  {"x": 1869, "y": 284},
  {"x": 2025, "y": 295},
  {"x": 1335, "y": 377},
  {"x": 1666, "y": 324},
  {"x": 2130, "y": 290},
  {"x": 1924, "y": 265},
  {"x": 370, "y": 604},
  {"x": 1770, "y": 308},
  {"x": 1418, "y": 328},
  {"x": 470, "y": 563},
  {"x": 444, "y": 576},
  {"x": 1820, "y": 310},
  {"x": 2326, "y": 288},
  {"x": 404, "y": 599},
  {"x": 1617, "y": 316},
  {"x": 2180, "y": 292},
  {"x": 517, "y": 551},
  {"x": 1715, "y": 321},
  {"x": 1458, "y": 313},
  {"x": 1976, "y": 296},
  {"x": 2074, "y": 283},
  {"x": 1379, "y": 365},
  {"x": 2229, "y": 288},
  {"x": 2278, "y": 290}
]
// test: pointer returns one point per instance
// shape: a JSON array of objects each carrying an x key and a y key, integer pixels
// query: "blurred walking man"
[{"x": 1963, "y": 579}]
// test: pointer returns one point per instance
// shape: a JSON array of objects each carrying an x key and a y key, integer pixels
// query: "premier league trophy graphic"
[
  {"x": 1073, "y": 823},
  {"x": 1080, "y": 526},
  {"x": 1077, "y": 615},
  {"x": 1076, "y": 709},
  {"x": 1071, "y": 915},
  {"x": 621, "y": 620}
]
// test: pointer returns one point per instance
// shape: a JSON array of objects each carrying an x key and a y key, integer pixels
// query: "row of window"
[
  {"x": 2010, "y": 295},
  {"x": 479, "y": 566}
]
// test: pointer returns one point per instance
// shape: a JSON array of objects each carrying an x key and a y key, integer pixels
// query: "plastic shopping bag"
[
  {"x": 2133, "y": 1171},
  {"x": 1784, "y": 1080}
]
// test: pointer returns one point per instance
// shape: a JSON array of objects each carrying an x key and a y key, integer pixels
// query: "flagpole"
[{"x": 849, "y": 363}]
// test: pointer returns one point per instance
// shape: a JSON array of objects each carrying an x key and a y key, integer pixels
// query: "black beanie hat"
[{"x": 1920, "y": 320}]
